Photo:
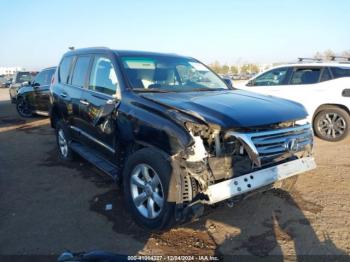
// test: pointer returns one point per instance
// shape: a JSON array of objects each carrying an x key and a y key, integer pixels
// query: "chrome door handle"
[
  {"x": 63, "y": 95},
  {"x": 84, "y": 102}
]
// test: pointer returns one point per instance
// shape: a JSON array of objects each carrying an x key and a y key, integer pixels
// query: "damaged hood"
[{"x": 231, "y": 108}]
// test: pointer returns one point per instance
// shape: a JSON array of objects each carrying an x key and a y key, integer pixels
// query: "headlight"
[{"x": 301, "y": 122}]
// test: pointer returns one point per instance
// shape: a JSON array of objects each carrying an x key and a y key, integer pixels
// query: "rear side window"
[
  {"x": 340, "y": 72},
  {"x": 41, "y": 78},
  {"x": 50, "y": 74},
  {"x": 304, "y": 76},
  {"x": 64, "y": 69},
  {"x": 80, "y": 70}
]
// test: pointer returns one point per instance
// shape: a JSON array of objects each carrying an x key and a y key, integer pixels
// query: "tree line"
[
  {"x": 254, "y": 68},
  {"x": 234, "y": 69}
]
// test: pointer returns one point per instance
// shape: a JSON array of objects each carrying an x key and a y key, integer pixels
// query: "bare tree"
[{"x": 327, "y": 55}]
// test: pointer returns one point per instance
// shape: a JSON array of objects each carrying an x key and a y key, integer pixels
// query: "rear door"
[
  {"x": 77, "y": 86},
  {"x": 68, "y": 94},
  {"x": 304, "y": 86},
  {"x": 98, "y": 105}
]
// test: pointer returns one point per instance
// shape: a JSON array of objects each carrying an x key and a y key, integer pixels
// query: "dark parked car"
[
  {"x": 7, "y": 83},
  {"x": 3, "y": 81},
  {"x": 19, "y": 79},
  {"x": 173, "y": 133},
  {"x": 34, "y": 98}
]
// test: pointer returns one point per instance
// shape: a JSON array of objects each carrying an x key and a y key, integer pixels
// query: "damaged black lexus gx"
[{"x": 173, "y": 133}]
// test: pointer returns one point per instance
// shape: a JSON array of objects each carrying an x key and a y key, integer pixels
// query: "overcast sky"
[{"x": 35, "y": 34}]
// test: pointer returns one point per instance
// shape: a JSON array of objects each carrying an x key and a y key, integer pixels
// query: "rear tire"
[
  {"x": 63, "y": 141},
  {"x": 332, "y": 124},
  {"x": 146, "y": 183}
]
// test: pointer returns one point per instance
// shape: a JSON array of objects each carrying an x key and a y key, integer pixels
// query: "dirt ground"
[{"x": 47, "y": 206}]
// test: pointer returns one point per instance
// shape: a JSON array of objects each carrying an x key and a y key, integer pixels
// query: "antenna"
[{"x": 71, "y": 48}]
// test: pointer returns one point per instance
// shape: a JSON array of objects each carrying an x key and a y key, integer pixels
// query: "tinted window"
[
  {"x": 103, "y": 77},
  {"x": 326, "y": 75},
  {"x": 80, "y": 71},
  {"x": 273, "y": 77},
  {"x": 64, "y": 69},
  {"x": 303, "y": 76},
  {"x": 340, "y": 72},
  {"x": 50, "y": 74},
  {"x": 41, "y": 78}
]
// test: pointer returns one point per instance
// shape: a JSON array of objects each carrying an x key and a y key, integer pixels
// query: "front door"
[
  {"x": 41, "y": 86},
  {"x": 272, "y": 82},
  {"x": 98, "y": 105}
]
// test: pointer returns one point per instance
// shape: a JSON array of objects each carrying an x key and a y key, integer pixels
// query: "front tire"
[
  {"x": 23, "y": 107},
  {"x": 332, "y": 124},
  {"x": 146, "y": 182}
]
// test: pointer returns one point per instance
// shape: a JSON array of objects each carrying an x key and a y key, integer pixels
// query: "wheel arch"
[
  {"x": 326, "y": 106},
  {"x": 175, "y": 194}
]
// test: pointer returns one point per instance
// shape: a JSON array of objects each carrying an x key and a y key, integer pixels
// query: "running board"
[{"x": 96, "y": 159}]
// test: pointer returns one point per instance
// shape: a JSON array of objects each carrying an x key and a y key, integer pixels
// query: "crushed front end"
[{"x": 222, "y": 165}]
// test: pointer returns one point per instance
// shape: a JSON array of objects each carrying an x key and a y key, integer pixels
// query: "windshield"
[{"x": 168, "y": 73}]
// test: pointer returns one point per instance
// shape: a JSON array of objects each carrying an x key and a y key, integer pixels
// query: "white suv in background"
[{"x": 323, "y": 88}]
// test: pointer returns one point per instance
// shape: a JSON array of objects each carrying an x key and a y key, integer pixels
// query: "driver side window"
[
  {"x": 103, "y": 77},
  {"x": 272, "y": 78},
  {"x": 40, "y": 79}
]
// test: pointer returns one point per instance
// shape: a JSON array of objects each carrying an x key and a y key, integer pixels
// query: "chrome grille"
[{"x": 265, "y": 147}]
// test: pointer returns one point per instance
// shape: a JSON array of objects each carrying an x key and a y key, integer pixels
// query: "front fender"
[{"x": 142, "y": 124}]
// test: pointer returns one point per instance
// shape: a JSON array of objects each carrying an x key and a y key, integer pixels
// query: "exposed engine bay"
[{"x": 216, "y": 156}]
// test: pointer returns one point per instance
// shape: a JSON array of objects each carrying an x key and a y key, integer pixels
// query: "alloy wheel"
[
  {"x": 62, "y": 143},
  {"x": 147, "y": 191},
  {"x": 23, "y": 108},
  {"x": 331, "y": 125}
]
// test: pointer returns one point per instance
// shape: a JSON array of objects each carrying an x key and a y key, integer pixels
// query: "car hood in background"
[{"x": 231, "y": 108}]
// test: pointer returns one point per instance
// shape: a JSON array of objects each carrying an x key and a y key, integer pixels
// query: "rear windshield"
[{"x": 169, "y": 73}]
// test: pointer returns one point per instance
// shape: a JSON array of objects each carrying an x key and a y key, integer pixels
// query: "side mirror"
[{"x": 35, "y": 85}]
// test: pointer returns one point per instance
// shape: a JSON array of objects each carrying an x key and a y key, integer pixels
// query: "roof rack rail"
[
  {"x": 334, "y": 58},
  {"x": 302, "y": 59}
]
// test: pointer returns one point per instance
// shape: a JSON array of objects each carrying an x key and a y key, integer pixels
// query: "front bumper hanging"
[{"x": 255, "y": 180}]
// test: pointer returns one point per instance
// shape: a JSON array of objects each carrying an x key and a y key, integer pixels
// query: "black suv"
[
  {"x": 34, "y": 98},
  {"x": 173, "y": 133}
]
